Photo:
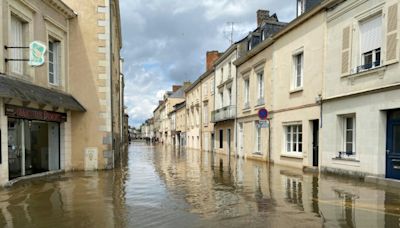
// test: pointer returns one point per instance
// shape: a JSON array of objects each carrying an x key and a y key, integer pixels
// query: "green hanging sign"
[{"x": 37, "y": 51}]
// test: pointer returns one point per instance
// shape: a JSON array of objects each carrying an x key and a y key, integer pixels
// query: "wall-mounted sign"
[
  {"x": 37, "y": 52},
  {"x": 34, "y": 114}
]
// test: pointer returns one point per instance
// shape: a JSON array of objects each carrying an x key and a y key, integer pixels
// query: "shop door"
[
  {"x": 393, "y": 145},
  {"x": 15, "y": 149}
]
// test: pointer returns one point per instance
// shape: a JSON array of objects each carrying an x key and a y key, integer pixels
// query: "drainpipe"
[{"x": 111, "y": 85}]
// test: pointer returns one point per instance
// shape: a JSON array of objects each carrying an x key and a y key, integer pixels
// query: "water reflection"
[{"x": 157, "y": 186}]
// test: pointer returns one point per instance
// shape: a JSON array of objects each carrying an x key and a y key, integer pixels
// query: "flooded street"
[{"x": 159, "y": 187}]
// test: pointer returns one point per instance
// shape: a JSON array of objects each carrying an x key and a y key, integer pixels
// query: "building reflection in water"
[{"x": 159, "y": 186}]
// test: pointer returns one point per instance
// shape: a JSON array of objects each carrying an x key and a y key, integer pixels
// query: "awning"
[{"x": 13, "y": 88}]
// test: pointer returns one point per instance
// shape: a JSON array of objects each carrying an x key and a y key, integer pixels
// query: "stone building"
[{"x": 95, "y": 41}]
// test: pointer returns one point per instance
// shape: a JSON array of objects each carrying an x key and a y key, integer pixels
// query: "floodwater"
[{"x": 160, "y": 187}]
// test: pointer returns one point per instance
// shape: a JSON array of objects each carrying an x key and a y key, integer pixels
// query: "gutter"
[{"x": 111, "y": 84}]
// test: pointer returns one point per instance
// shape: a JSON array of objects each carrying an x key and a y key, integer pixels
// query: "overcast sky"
[{"x": 165, "y": 42}]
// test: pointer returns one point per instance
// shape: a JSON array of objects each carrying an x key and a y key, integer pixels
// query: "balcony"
[{"x": 225, "y": 113}]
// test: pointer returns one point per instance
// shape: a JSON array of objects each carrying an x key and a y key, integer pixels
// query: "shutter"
[
  {"x": 391, "y": 34},
  {"x": 346, "y": 50}
]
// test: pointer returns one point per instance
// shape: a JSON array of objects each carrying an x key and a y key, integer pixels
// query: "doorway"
[
  {"x": 393, "y": 145},
  {"x": 315, "y": 142},
  {"x": 229, "y": 142}
]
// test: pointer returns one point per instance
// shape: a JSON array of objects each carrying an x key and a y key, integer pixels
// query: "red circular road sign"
[{"x": 263, "y": 113}]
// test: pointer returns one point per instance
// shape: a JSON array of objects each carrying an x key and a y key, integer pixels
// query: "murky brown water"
[{"x": 157, "y": 187}]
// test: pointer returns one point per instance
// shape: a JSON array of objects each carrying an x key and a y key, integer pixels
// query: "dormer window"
[
  {"x": 249, "y": 46},
  {"x": 301, "y": 6}
]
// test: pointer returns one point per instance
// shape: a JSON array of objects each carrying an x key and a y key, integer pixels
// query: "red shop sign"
[{"x": 34, "y": 114}]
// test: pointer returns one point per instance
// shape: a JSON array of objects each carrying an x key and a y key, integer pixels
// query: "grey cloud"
[{"x": 165, "y": 41}]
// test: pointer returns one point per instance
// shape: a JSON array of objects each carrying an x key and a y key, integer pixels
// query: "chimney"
[
  {"x": 160, "y": 102},
  {"x": 176, "y": 88},
  {"x": 186, "y": 84},
  {"x": 210, "y": 59},
  {"x": 262, "y": 16}
]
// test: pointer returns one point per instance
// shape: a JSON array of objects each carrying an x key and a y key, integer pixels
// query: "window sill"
[
  {"x": 257, "y": 153},
  {"x": 374, "y": 70},
  {"x": 345, "y": 159},
  {"x": 297, "y": 90},
  {"x": 247, "y": 109},
  {"x": 292, "y": 155}
]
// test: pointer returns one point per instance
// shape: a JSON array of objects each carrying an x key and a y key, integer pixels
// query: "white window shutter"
[
  {"x": 391, "y": 34},
  {"x": 346, "y": 50}
]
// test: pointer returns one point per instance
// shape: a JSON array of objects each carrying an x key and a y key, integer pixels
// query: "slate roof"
[{"x": 13, "y": 88}]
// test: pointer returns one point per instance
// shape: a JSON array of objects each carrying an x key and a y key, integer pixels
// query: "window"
[
  {"x": 230, "y": 96},
  {"x": 301, "y": 5},
  {"x": 294, "y": 138},
  {"x": 212, "y": 86},
  {"x": 221, "y": 139},
  {"x": 17, "y": 39},
  {"x": 205, "y": 113},
  {"x": 54, "y": 62},
  {"x": 370, "y": 43},
  {"x": 260, "y": 81},
  {"x": 349, "y": 124},
  {"x": 258, "y": 137},
  {"x": 221, "y": 99},
  {"x": 205, "y": 89},
  {"x": 298, "y": 71},
  {"x": 246, "y": 93},
  {"x": 249, "y": 44},
  {"x": 222, "y": 74},
  {"x": 230, "y": 70}
]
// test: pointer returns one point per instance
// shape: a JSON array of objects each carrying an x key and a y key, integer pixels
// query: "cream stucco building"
[{"x": 361, "y": 89}]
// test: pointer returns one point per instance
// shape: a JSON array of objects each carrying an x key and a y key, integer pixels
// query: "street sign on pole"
[
  {"x": 263, "y": 114},
  {"x": 263, "y": 124},
  {"x": 36, "y": 53}
]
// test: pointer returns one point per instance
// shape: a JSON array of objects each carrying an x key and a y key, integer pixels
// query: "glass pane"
[
  {"x": 300, "y": 147},
  {"x": 294, "y": 146},
  {"x": 349, "y": 147},
  {"x": 349, "y": 136},
  {"x": 300, "y": 137},
  {"x": 349, "y": 123}
]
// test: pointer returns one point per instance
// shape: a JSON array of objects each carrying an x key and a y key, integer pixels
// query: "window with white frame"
[
  {"x": 298, "y": 60},
  {"x": 54, "y": 61},
  {"x": 18, "y": 40},
  {"x": 222, "y": 74},
  {"x": 294, "y": 138},
  {"x": 349, "y": 135},
  {"x": 221, "y": 99},
  {"x": 212, "y": 86},
  {"x": 258, "y": 137},
  {"x": 371, "y": 42},
  {"x": 230, "y": 70},
  {"x": 205, "y": 114},
  {"x": 260, "y": 82},
  {"x": 301, "y": 6},
  {"x": 229, "y": 96},
  {"x": 246, "y": 92}
]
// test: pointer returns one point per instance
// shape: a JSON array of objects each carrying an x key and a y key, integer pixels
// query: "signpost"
[
  {"x": 37, "y": 52},
  {"x": 263, "y": 115}
]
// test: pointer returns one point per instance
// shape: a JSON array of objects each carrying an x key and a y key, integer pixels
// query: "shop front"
[{"x": 33, "y": 140}]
